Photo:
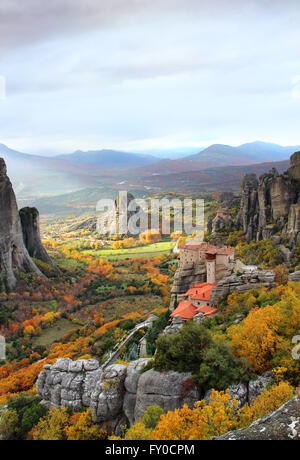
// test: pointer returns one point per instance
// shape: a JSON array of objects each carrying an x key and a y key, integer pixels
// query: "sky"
[{"x": 142, "y": 75}]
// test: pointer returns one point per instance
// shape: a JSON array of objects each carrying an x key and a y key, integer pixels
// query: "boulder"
[
  {"x": 281, "y": 425},
  {"x": 256, "y": 387},
  {"x": 169, "y": 390}
]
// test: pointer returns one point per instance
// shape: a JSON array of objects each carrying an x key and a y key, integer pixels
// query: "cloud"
[
  {"x": 87, "y": 74},
  {"x": 31, "y": 21},
  {"x": 296, "y": 87},
  {"x": 2, "y": 87}
]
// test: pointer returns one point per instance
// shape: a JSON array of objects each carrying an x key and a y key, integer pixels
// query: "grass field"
[
  {"x": 150, "y": 250},
  {"x": 54, "y": 333}
]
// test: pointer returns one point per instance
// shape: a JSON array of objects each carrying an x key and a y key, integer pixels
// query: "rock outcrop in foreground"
[
  {"x": 281, "y": 425},
  {"x": 30, "y": 220},
  {"x": 113, "y": 391},
  {"x": 13, "y": 253},
  {"x": 117, "y": 393}
]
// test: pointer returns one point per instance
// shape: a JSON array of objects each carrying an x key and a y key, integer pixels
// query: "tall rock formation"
[
  {"x": 271, "y": 204},
  {"x": 117, "y": 220},
  {"x": 294, "y": 169},
  {"x": 30, "y": 220},
  {"x": 248, "y": 216},
  {"x": 13, "y": 253}
]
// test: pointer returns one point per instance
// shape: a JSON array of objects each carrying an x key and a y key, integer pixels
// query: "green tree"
[{"x": 152, "y": 416}]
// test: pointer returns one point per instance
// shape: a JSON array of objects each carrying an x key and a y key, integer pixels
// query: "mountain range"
[
  {"x": 35, "y": 176},
  {"x": 111, "y": 159}
]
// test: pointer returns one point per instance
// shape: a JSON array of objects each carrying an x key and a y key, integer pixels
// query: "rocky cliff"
[
  {"x": 117, "y": 393},
  {"x": 270, "y": 204},
  {"x": 30, "y": 220},
  {"x": 242, "y": 283},
  {"x": 184, "y": 279},
  {"x": 113, "y": 391},
  {"x": 281, "y": 425},
  {"x": 13, "y": 253}
]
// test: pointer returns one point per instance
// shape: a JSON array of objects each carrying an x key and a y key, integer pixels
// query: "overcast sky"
[{"x": 143, "y": 74}]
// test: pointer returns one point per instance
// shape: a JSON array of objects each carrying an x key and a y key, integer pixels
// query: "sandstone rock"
[
  {"x": 221, "y": 220},
  {"x": 283, "y": 424},
  {"x": 293, "y": 225},
  {"x": 255, "y": 387},
  {"x": 248, "y": 215},
  {"x": 238, "y": 391},
  {"x": 30, "y": 220},
  {"x": 13, "y": 254},
  {"x": 167, "y": 390},
  {"x": 270, "y": 204},
  {"x": 199, "y": 318},
  {"x": 115, "y": 222},
  {"x": 294, "y": 276},
  {"x": 131, "y": 385},
  {"x": 294, "y": 169},
  {"x": 242, "y": 283},
  {"x": 110, "y": 394},
  {"x": 184, "y": 279},
  {"x": 175, "y": 325},
  {"x": 286, "y": 254}
]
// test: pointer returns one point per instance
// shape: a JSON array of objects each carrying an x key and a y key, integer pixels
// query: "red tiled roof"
[
  {"x": 207, "y": 310},
  {"x": 207, "y": 248},
  {"x": 200, "y": 291},
  {"x": 185, "y": 309}
]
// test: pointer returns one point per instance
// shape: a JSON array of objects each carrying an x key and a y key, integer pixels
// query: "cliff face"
[
  {"x": 13, "y": 253},
  {"x": 271, "y": 204},
  {"x": 184, "y": 279},
  {"x": 113, "y": 391},
  {"x": 242, "y": 283},
  {"x": 30, "y": 221},
  {"x": 118, "y": 390}
]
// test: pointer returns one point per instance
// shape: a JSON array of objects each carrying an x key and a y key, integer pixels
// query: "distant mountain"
[
  {"x": 212, "y": 180},
  {"x": 34, "y": 176},
  {"x": 251, "y": 152},
  {"x": 264, "y": 151},
  {"x": 109, "y": 159},
  {"x": 218, "y": 155}
]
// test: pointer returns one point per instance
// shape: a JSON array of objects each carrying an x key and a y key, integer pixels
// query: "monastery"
[{"x": 216, "y": 260}]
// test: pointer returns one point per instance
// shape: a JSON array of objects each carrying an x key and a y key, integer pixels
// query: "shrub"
[
  {"x": 152, "y": 416},
  {"x": 24, "y": 412}
]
